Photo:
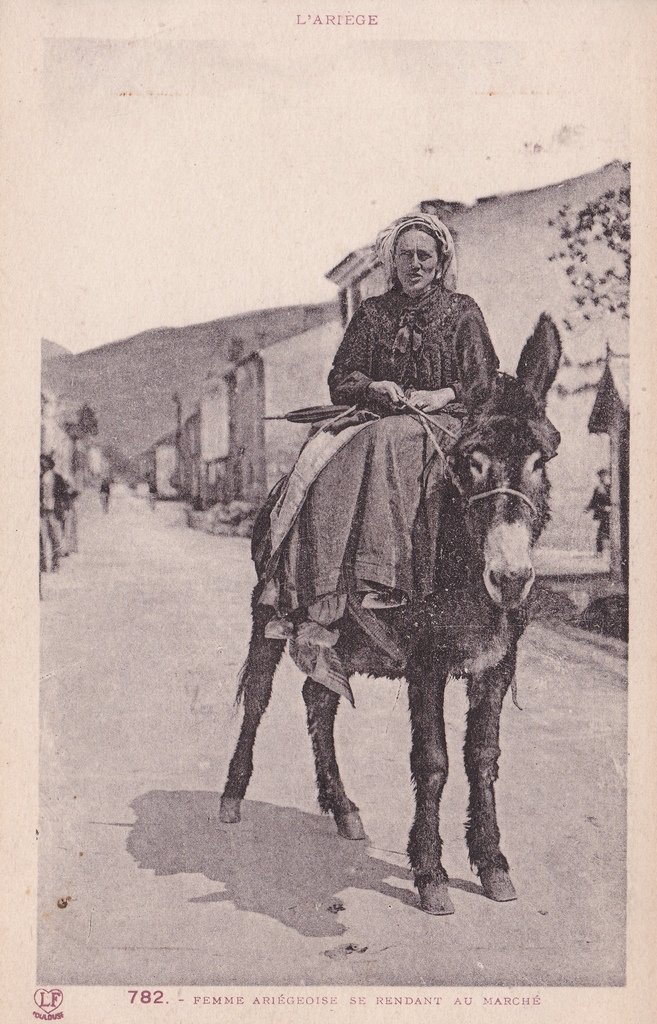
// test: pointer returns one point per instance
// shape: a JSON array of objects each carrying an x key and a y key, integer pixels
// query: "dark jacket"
[
  {"x": 454, "y": 349},
  {"x": 63, "y": 497},
  {"x": 600, "y": 503}
]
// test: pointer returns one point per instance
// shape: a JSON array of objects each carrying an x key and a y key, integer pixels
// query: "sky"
[{"x": 189, "y": 180}]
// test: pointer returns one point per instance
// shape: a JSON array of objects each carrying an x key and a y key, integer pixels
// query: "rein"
[{"x": 425, "y": 421}]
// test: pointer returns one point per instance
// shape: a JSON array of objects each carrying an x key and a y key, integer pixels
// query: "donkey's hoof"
[
  {"x": 434, "y": 898},
  {"x": 229, "y": 810},
  {"x": 497, "y": 885},
  {"x": 350, "y": 826}
]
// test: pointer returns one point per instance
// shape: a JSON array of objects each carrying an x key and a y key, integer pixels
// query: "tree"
[
  {"x": 87, "y": 421},
  {"x": 119, "y": 463},
  {"x": 595, "y": 256},
  {"x": 85, "y": 424}
]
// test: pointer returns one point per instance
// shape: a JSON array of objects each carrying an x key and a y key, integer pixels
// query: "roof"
[
  {"x": 353, "y": 265},
  {"x": 455, "y": 207},
  {"x": 168, "y": 439},
  {"x": 619, "y": 367},
  {"x": 613, "y": 392}
]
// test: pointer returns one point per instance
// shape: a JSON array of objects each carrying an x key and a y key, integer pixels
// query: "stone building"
[
  {"x": 190, "y": 459},
  {"x": 238, "y": 453},
  {"x": 159, "y": 463}
]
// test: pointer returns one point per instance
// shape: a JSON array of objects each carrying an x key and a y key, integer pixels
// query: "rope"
[
  {"x": 514, "y": 692},
  {"x": 503, "y": 490},
  {"x": 427, "y": 419}
]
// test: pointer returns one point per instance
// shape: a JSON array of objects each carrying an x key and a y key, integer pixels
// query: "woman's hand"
[
  {"x": 387, "y": 390},
  {"x": 432, "y": 401}
]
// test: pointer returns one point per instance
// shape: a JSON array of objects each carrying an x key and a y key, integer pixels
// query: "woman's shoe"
[{"x": 379, "y": 600}]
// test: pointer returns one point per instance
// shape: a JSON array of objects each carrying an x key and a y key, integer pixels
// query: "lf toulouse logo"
[{"x": 48, "y": 1000}]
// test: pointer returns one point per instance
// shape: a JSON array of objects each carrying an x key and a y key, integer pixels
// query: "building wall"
[
  {"x": 215, "y": 421},
  {"x": 295, "y": 375},
  {"x": 164, "y": 469},
  {"x": 215, "y": 440},
  {"x": 145, "y": 465},
  {"x": 246, "y": 466},
  {"x": 619, "y": 427},
  {"x": 240, "y": 454},
  {"x": 190, "y": 450}
]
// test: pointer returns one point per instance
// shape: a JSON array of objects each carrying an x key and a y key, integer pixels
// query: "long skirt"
[{"x": 369, "y": 519}]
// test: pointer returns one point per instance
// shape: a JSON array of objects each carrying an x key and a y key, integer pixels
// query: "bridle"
[
  {"x": 502, "y": 490},
  {"x": 482, "y": 495}
]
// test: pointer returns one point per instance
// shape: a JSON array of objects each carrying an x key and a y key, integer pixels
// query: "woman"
[
  {"x": 360, "y": 510},
  {"x": 419, "y": 338}
]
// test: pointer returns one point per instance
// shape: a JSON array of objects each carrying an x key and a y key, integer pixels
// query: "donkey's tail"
[
  {"x": 256, "y": 674},
  {"x": 241, "y": 683},
  {"x": 264, "y": 654}
]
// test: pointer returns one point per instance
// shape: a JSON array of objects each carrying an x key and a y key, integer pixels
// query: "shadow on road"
[{"x": 278, "y": 861}]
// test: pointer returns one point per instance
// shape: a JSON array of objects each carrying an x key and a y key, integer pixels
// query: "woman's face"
[{"x": 416, "y": 261}]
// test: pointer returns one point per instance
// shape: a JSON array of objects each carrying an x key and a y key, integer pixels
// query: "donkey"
[{"x": 496, "y": 507}]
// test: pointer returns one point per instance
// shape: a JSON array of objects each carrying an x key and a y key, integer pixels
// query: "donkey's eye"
[
  {"x": 479, "y": 464},
  {"x": 535, "y": 464}
]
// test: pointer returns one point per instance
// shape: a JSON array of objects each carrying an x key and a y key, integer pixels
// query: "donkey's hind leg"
[
  {"x": 321, "y": 708},
  {"x": 254, "y": 689}
]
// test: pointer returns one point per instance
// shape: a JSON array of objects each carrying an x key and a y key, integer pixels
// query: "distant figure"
[
  {"x": 152, "y": 494},
  {"x": 71, "y": 519},
  {"x": 105, "y": 494},
  {"x": 600, "y": 506},
  {"x": 64, "y": 500},
  {"x": 49, "y": 530}
]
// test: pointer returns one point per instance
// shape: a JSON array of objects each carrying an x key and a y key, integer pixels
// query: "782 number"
[{"x": 145, "y": 995}]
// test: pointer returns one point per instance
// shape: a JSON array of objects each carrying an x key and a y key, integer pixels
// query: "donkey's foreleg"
[
  {"x": 255, "y": 690},
  {"x": 429, "y": 767},
  {"x": 482, "y": 752},
  {"x": 321, "y": 708}
]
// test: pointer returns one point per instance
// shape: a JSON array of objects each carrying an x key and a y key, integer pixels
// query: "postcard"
[{"x": 329, "y": 371}]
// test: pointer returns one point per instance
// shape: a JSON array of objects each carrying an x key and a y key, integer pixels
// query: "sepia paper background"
[{"x": 27, "y": 291}]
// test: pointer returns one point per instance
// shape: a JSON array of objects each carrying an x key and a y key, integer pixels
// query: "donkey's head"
[{"x": 498, "y": 466}]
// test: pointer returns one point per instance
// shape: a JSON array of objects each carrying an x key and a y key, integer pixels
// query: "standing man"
[
  {"x": 152, "y": 493},
  {"x": 600, "y": 506},
  {"x": 49, "y": 526},
  {"x": 62, "y": 509},
  {"x": 105, "y": 494}
]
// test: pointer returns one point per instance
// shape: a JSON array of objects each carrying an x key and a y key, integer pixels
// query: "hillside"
[
  {"x": 130, "y": 383},
  {"x": 51, "y": 350}
]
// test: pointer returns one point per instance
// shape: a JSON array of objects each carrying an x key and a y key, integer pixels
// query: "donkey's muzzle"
[{"x": 509, "y": 588}]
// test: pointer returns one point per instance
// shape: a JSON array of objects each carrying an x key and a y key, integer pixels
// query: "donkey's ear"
[{"x": 539, "y": 360}]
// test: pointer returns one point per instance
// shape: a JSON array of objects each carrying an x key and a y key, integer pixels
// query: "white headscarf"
[{"x": 387, "y": 240}]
